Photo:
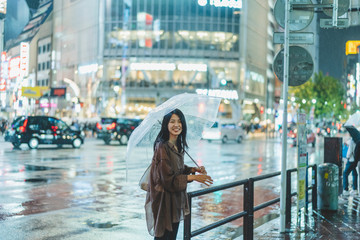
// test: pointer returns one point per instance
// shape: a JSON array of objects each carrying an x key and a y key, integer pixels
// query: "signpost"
[
  {"x": 328, "y": 23},
  {"x": 298, "y": 19},
  {"x": 342, "y": 7},
  {"x": 301, "y": 65},
  {"x": 295, "y": 63},
  {"x": 302, "y": 160},
  {"x": 294, "y": 38}
]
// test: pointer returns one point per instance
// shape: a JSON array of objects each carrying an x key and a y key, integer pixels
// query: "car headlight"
[{"x": 82, "y": 133}]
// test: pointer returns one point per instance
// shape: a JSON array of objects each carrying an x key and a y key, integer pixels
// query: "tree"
[{"x": 325, "y": 93}]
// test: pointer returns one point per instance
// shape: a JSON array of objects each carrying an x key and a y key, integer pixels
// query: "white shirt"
[{"x": 350, "y": 152}]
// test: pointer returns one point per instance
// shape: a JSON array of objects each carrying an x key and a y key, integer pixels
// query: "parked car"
[
  {"x": 116, "y": 129},
  {"x": 224, "y": 132},
  {"x": 35, "y": 130},
  {"x": 310, "y": 137}
]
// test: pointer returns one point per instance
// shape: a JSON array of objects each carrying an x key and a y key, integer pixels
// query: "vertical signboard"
[
  {"x": 24, "y": 59},
  {"x": 302, "y": 160},
  {"x": 14, "y": 67},
  {"x": 4, "y": 72}
]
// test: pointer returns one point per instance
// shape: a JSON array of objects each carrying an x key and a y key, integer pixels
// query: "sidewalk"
[{"x": 341, "y": 224}]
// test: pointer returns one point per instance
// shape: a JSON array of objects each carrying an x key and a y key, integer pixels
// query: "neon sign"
[
  {"x": 226, "y": 94},
  {"x": 14, "y": 67},
  {"x": 221, "y": 3},
  {"x": 24, "y": 58}
]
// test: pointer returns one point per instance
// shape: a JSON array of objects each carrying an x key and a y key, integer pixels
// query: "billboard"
[
  {"x": 58, "y": 92},
  {"x": 352, "y": 47},
  {"x": 33, "y": 92}
]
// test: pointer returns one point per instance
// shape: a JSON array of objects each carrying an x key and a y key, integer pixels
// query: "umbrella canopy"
[
  {"x": 354, "y": 133},
  {"x": 351, "y": 126},
  {"x": 354, "y": 120},
  {"x": 200, "y": 112}
]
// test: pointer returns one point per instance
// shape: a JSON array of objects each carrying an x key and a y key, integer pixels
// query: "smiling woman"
[{"x": 166, "y": 199}]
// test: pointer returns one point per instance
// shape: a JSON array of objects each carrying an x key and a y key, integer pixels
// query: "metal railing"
[{"x": 248, "y": 203}]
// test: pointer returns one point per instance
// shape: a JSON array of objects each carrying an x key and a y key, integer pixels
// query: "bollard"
[{"x": 328, "y": 186}]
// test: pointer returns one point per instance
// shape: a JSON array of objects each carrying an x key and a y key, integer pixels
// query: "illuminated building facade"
[{"x": 132, "y": 55}]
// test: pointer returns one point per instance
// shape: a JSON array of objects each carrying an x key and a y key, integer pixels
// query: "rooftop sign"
[{"x": 352, "y": 47}]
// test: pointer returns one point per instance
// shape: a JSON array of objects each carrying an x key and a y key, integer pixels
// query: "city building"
[
  {"x": 125, "y": 57},
  {"x": 25, "y": 62}
]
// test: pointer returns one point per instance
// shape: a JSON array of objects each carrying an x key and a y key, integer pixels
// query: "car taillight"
[
  {"x": 98, "y": 126},
  {"x": 112, "y": 126},
  {"x": 23, "y": 127},
  {"x": 54, "y": 128},
  {"x": 132, "y": 127}
]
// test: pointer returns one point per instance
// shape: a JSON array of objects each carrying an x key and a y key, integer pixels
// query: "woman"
[{"x": 166, "y": 200}]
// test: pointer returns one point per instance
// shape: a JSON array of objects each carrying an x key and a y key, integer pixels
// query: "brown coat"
[{"x": 166, "y": 199}]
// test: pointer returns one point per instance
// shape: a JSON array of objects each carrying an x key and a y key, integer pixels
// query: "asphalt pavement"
[{"x": 68, "y": 193}]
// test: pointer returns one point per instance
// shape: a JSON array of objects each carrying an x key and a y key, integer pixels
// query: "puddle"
[
  {"x": 38, "y": 168},
  {"x": 34, "y": 180},
  {"x": 91, "y": 223},
  {"x": 59, "y": 158}
]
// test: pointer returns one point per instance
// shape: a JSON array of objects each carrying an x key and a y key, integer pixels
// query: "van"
[{"x": 224, "y": 132}]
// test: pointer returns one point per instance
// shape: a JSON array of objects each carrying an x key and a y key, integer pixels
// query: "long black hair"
[{"x": 164, "y": 133}]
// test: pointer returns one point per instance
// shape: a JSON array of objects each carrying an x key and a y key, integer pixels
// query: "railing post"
[
  {"x": 249, "y": 208},
  {"x": 187, "y": 222},
  {"x": 314, "y": 187},
  {"x": 288, "y": 200}
]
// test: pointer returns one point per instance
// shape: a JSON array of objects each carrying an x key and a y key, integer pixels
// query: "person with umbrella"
[
  {"x": 353, "y": 154},
  {"x": 350, "y": 167},
  {"x": 166, "y": 199}
]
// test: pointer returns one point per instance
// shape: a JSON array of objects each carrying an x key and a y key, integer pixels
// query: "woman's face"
[{"x": 174, "y": 126}]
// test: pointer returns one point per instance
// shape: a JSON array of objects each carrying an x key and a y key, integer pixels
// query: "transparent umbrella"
[{"x": 200, "y": 113}]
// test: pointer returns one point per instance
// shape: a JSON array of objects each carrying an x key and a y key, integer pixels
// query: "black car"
[
  {"x": 35, "y": 130},
  {"x": 116, "y": 129}
]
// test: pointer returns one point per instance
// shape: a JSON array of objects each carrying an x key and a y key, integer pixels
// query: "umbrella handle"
[{"x": 191, "y": 158}]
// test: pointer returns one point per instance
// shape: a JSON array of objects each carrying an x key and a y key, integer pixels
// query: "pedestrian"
[
  {"x": 166, "y": 199},
  {"x": 351, "y": 164}
]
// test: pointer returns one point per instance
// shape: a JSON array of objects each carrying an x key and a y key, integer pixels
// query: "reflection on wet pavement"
[
  {"x": 100, "y": 225},
  {"x": 84, "y": 193}
]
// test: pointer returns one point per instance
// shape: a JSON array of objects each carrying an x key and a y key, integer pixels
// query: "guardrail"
[{"x": 248, "y": 201}]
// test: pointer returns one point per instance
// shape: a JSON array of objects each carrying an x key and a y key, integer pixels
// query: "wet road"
[{"x": 68, "y": 193}]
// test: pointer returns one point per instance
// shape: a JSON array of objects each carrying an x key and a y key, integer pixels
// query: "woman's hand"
[
  {"x": 200, "y": 170},
  {"x": 203, "y": 178}
]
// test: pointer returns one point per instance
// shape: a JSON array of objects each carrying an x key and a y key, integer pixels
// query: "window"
[
  {"x": 43, "y": 66},
  {"x": 61, "y": 125},
  {"x": 44, "y": 48},
  {"x": 39, "y": 50},
  {"x": 39, "y": 66},
  {"x": 48, "y": 47},
  {"x": 48, "y": 65}
]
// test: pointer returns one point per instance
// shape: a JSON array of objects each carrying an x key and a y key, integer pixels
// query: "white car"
[{"x": 224, "y": 132}]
